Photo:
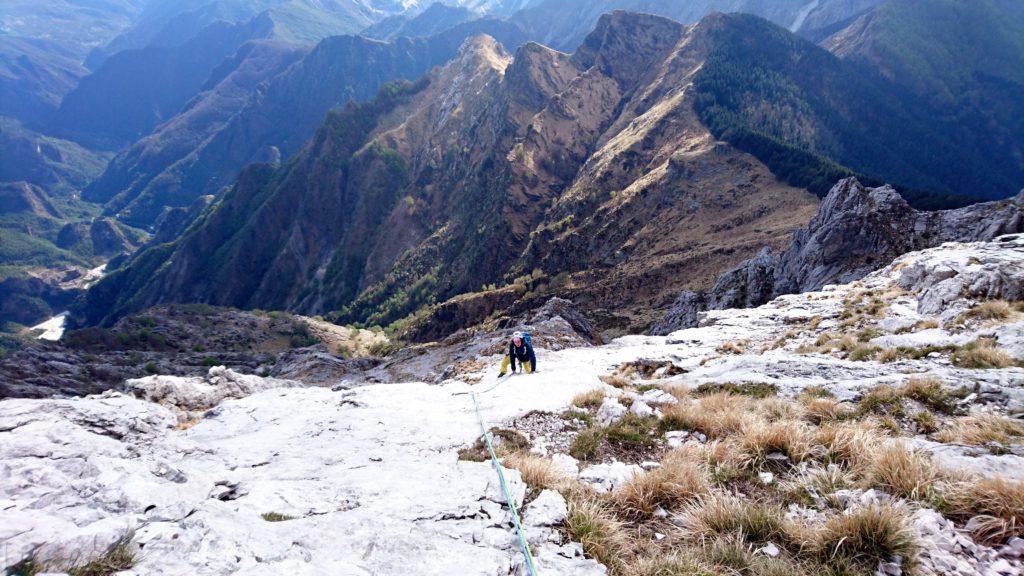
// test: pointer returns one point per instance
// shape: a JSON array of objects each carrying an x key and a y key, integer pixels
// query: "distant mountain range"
[{"x": 153, "y": 120}]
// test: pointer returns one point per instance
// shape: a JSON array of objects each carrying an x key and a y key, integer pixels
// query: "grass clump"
[
  {"x": 761, "y": 439},
  {"x": 902, "y": 472},
  {"x": 883, "y": 400},
  {"x": 866, "y": 536},
  {"x": 715, "y": 515},
  {"x": 276, "y": 517},
  {"x": 751, "y": 389},
  {"x": 538, "y": 472},
  {"x": 716, "y": 415},
  {"x": 614, "y": 380},
  {"x": 594, "y": 525},
  {"x": 981, "y": 354},
  {"x": 981, "y": 430},
  {"x": 738, "y": 347},
  {"x": 996, "y": 503},
  {"x": 586, "y": 444},
  {"x": 633, "y": 432},
  {"x": 677, "y": 479},
  {"x": 589, "y": 399},
  {"x": 930, "y": 392}
]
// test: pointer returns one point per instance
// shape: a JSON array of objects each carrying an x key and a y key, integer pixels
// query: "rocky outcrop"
[{"x": 857, "y": 230}]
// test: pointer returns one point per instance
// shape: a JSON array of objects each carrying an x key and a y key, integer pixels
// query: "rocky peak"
[
  {"x": 856, "y": 231},
  {"x": 624, "y": 45}
]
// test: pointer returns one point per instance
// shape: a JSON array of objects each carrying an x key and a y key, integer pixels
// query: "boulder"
[{"x": 611, "y": 411}]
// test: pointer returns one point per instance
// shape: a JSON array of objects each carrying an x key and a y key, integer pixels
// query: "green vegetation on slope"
[{"x": 812, "y": 117}]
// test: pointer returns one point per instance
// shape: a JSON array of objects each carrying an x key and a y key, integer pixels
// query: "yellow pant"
[{"x": 508, "y": 359}]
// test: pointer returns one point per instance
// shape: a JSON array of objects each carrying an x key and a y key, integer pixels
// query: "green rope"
[{"x": 504, "y": 487}]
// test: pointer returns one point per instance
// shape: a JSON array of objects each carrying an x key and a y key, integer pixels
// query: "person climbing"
[{"x": 520, "y": 348}]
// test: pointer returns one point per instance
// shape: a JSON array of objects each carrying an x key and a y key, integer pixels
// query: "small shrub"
[
  {"x": 150, "y": 368},
  {"x": 209, "y": 362}
]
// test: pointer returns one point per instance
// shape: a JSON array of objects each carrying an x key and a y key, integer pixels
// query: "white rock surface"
[
  {"x": 371, "y": 477},
  {"x": 547, "y": 509},
  {"x": 609, "y": 476},
  {"x": 190, "y": 394},
  {"x": 611, "y": 411}
]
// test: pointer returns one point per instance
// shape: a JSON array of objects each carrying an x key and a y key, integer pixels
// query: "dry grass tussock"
[
  {"x": 589, "y": 399},
  {"x": 794, "y": 439},
  {"x": 866, "y": 536},
  {"x": 980, "y": 430},
  {"x": 982, "y": 354},
  {"x": 614, "y": 380},
  {"x": 716, "y": 415},
  {"x": 593, "y": 524},
  {"x": 678, "y": 479},
  {"x": 717, "y": 514},
  {"x": 737, "y": 347},
  {"x": 538, "y": 472},
  {"x": 903, "y": 472},
  {"x": 998, "y": 502}
]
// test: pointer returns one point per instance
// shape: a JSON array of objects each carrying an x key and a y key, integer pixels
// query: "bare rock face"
[{"x": 856, "y": 231}]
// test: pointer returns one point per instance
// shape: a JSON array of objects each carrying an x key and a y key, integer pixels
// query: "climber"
[{"x": 520, "y": 348}]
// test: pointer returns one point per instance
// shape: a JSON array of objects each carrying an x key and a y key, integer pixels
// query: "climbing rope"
[{"x": 523, "y": 544}]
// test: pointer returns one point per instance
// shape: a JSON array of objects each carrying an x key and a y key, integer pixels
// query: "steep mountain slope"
[
  {"x": 780, "y": 98},
  {"x": 60, "y": 167},
  {"x": 43, "y": 44},
  {"x": 135, "y": 90},
  {"x": 225, "y": 93},
  {"x": 437, "y": 189},
  {"x": 275, "y": 121},
  {"x": 966, "y": 60}
]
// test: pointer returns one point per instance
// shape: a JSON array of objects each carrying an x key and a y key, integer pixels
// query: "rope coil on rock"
[{"x": 523, "y": 543}]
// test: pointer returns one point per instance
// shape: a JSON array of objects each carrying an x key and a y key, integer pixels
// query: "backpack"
[{"x": 527, "y": 339}]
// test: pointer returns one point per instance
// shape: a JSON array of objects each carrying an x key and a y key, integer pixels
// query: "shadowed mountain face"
[
  {"x": 966, "y": 61},
  {"x": 591, "y": 165},
  {"x": 203, "y": 149},
  {"x": 137, "y": 89}
]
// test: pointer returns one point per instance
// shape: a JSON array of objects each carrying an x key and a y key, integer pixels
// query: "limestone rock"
[{"x": 611, "y": 411}]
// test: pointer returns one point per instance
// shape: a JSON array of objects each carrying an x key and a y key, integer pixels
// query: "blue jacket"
[{"x": 523, "y": 353}]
